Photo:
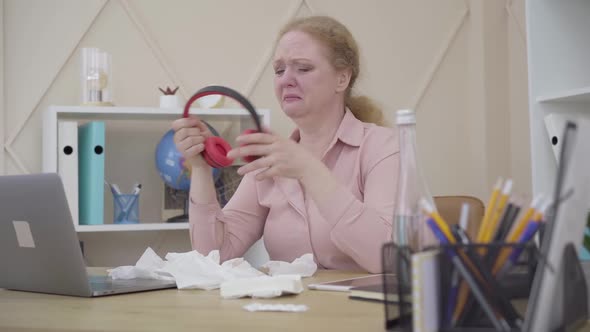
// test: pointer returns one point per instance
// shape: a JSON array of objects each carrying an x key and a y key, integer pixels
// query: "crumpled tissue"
[
  {"x": 261, "y": 287},
  {"x": 193, "y": 270},
  {"x": 303, "y": 266},
  {"x": 189, "y": 270}
]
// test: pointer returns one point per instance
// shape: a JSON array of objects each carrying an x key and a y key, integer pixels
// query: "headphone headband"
[{"x": 224, "y": 91}]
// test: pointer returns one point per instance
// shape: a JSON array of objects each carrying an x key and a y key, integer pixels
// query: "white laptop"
[{"x": 39, "y": 247}]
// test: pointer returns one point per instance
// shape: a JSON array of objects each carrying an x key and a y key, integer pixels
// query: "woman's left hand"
[{"x": 280, "y": 156}]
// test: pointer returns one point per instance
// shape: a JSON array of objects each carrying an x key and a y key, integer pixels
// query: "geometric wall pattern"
[{"x": 412, "y": 53}]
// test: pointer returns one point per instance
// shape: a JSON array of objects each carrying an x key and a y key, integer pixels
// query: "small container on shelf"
[
  {"x": 125, "y": 208},
  {"x": 96, "y": 77}
]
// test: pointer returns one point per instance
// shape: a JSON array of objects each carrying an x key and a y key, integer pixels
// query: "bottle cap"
[{"x": 405, "y": 116}]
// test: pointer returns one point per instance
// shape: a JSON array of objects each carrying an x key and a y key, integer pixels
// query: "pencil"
[
  {"x": 489, "y": 210},
  {"x": 499, "y": 323},
  {"x": 514, "y": 236},
  {"x": 520, "y": 225},
  {"x": 438, "y": 220},
  {"x": 493, "y": 223}
]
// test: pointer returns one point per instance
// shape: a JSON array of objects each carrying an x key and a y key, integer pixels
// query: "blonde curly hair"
[{"x": 344, "y": 54}]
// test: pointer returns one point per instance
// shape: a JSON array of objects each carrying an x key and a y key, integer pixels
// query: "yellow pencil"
[
  {"x": 489, "y": 210},
  {"x": 493, "y": 223},
  {"x": 427, "y": 206},
  {"x": 521, "y": 224},
  {"x": 517, "y": 232}
]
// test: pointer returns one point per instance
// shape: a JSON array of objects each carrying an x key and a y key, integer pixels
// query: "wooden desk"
[{"x": 190, "y": 310}]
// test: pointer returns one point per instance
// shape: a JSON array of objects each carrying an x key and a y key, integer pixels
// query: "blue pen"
[
  {"x": 454, "y": 277},
  {"x": 452, "y": 300},
  {"x": 525, "y": 237}
]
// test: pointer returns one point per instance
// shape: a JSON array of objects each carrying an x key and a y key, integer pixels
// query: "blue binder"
[{"x": 91, "y": 173}]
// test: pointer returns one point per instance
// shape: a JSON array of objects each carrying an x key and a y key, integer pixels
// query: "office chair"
[{"x": 449, "y": 208}]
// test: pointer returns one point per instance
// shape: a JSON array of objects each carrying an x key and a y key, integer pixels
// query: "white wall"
[
  {"x": 2, "y": 110},
  {"x": 460, "y": 64}
]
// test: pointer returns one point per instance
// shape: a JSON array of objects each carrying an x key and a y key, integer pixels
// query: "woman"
[{"x": 329, "y": 189}]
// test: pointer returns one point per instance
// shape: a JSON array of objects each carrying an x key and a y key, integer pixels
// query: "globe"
[{"x": 171, "y": 165}]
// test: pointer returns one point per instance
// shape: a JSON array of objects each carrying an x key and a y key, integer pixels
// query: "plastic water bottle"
[{"x": 410, "y": 228}]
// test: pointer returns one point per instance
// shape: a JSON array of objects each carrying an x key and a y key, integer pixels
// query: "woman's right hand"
[{"x": 189, "y": 136}]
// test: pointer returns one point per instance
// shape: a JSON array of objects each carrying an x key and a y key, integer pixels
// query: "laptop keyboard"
[{"x": 102, "y": 283}]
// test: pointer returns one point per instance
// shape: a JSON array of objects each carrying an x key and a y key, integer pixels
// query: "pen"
[
  {"x": 441, "y": 226},
  {"x": 528, "y": 234},
  {"x": 136, "y": 189},
  {"x": 516, "y": 235},
  {"x": 504, "y": 220},
  {"x": 464, "y": 216},
  {"x": 500, "y": 323},
  {"x": 507, "y": 223},
  {"x": 114, "y": 188},
  {"x": 492, "y": 288},
  {"x": 510, "y": 213},
  {"x": 135, "y": 196},
  {"x": 517, "y": 228},
  {"x": 452, "y": 300},
  {"x": 438, "y": 220},
  {"x": 522, "y": 222}
]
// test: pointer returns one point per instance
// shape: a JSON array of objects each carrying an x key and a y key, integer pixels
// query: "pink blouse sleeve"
[
  {"x": 243, "y": 220},
  {"x": 360, "y": 227}
]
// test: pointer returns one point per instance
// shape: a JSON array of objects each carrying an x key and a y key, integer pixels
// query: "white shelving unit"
[
  {"x": 54, "y": 114},
  {"x": 576, "y": 95},
  {"x": 558, "y": 46}
]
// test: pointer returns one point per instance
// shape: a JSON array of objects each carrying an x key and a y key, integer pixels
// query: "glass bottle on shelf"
[{"x": 410, "y": 228}]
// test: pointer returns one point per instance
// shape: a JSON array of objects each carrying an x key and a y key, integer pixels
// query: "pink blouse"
[{"x": 346, "y": 232}]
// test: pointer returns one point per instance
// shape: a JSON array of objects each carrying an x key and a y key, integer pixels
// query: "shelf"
[
  {"x": 147, "y": 113},
  {"x": 131, "y": 227},
  {"x": 162, "y": 117},
  {"x": 575, "y": 95}
]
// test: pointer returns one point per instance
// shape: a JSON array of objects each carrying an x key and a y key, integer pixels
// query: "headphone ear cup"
[
  {"x": 215, "y": 153},
  {"x": 249, "y": 158}
]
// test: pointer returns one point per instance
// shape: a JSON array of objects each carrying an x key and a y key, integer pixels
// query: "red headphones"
[{"x": 216, "y": 148}]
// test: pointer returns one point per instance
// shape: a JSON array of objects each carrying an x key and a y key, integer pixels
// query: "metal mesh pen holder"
[
  {"x": 398, "y": 293},
  {"x": 126, "y": 208}
]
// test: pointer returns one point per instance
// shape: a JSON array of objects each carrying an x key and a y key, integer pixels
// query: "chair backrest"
[{"x": 449, "y": 208}]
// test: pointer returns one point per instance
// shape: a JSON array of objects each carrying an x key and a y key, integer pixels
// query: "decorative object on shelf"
[
  {"x": 96, "y": 77},
  {"x": 126, "y": 208},
  {"x": 170, "y": 99},
  {"x": 175, "y": 173}
]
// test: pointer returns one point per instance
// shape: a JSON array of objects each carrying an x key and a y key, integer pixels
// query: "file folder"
[
  {"x": 91, "y": 141},
  {"x": 67, "y": 163}
]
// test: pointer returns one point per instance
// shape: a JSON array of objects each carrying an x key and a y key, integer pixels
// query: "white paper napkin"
[
  {"x": 303, "y": 266},
  {"x": 262, "y": 287},
  {"x": 192, "y": 270}
]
